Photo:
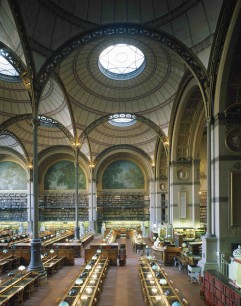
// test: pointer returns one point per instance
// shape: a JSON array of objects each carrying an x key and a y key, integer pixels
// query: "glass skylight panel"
[
  {"x": 121, "y": 61},
  {"x": 47, "y": 122},
  {"x": 6, "y": 68},
  {"x": 122, "y": 120}
]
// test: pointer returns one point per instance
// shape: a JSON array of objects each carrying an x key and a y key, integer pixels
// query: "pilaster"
[{"x": 209, "y": 253}]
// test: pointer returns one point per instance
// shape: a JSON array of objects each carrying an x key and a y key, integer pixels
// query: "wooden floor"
[{"x": 121, "y": 287}]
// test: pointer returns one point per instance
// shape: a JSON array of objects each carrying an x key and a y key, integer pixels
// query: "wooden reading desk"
[
  {"x": 153, "y": 292},
  {"x": 87, "y": 293},
  {"x": 14, "y": 289}
]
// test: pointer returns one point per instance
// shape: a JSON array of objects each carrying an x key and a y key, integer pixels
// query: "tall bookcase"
[
  {"x": 123, "y": 206},
  {"x": 13, "y": 206},
  {"x": 61, "y": 207}
]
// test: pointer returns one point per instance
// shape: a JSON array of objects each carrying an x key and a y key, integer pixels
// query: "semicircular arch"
[{"x": 165, "y": 39}]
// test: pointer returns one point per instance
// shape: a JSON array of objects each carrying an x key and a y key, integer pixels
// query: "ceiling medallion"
[
  {"x": 121, "y": 61},
  {"x": 233, "y": 140},
  {"x": 163, "y": 186},
  {"x": 182, "y": 174}
]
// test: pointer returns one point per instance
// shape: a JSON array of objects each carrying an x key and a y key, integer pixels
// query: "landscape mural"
[
  {"x": 123, "y": 174},
  {"x": 61, "y": 176},
  {"x": 12, "y": 176}
]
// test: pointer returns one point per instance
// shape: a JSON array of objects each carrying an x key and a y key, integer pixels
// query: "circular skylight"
[
  {"x": 122, "y": 120},
  {"x": 47, "y": 122},
  {"x": 7, "y": 70},
  {"x": 121, "y": 61}
]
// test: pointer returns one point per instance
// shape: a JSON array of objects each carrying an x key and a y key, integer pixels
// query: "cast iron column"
[
  {"x": 36, "y": 261},
  {"x": 77, "y": 229}
]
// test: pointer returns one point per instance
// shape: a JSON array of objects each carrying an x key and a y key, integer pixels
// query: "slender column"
[
  {"x": 152, "y": 205},
  {"x": 171, "y": 193},
  {"x": 209, "y": 180},
  {"x": 209, "y": 241},
  {"x": 92, "y": 202},
  {"x": 158, "y": 202},
  {"x": 77, "y": 229},
  {"x": 195, "y": 193},
  {"x": 36, "y": 261},
  {"x": 30, "y": 203}
]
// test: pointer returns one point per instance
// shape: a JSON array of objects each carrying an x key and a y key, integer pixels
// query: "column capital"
[
  {"x": 209, "y": 120},
  {"x": 35, "y": 122}
]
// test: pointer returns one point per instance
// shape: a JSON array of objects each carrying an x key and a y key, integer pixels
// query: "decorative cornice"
[
  {"x": 226, "y": 158},
  {"x": 182, "y": 161}
]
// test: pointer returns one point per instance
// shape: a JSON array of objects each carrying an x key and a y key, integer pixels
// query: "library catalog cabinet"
[{"x": 218, "y": 291}]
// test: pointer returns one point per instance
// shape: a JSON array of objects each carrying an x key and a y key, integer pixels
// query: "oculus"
[
  {"x": 7, "y": 71},
  {"x": 233, "y": 140},
  {"x": 121, "y": 62},
  {"x": 122, "y": 120}
]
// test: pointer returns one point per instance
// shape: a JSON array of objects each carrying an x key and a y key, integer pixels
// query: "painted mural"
[
  {"x": 123, "y": 174},
  {"x": 12, "y": 176},
  {"x": 61, "y": 176}
]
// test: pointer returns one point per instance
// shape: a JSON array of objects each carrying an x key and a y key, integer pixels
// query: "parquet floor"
[{"x": 121, "y": 287}]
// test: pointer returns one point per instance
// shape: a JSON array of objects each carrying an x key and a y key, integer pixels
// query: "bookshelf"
[
  {"x": 123, "y": 206},
  {"x": 189, "y": 233},
  {"x": 13, "y": 206},
  {"x": 61, "y": 207}
]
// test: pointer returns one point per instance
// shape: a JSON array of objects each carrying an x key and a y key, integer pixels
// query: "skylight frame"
[
  {"x": 121, "y": 61},
  {"x": 8, "y": 71},
  {"x": 122, "y": 120}
]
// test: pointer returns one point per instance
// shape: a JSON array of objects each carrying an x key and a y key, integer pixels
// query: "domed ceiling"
[{"x": 76, "y": 95}]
